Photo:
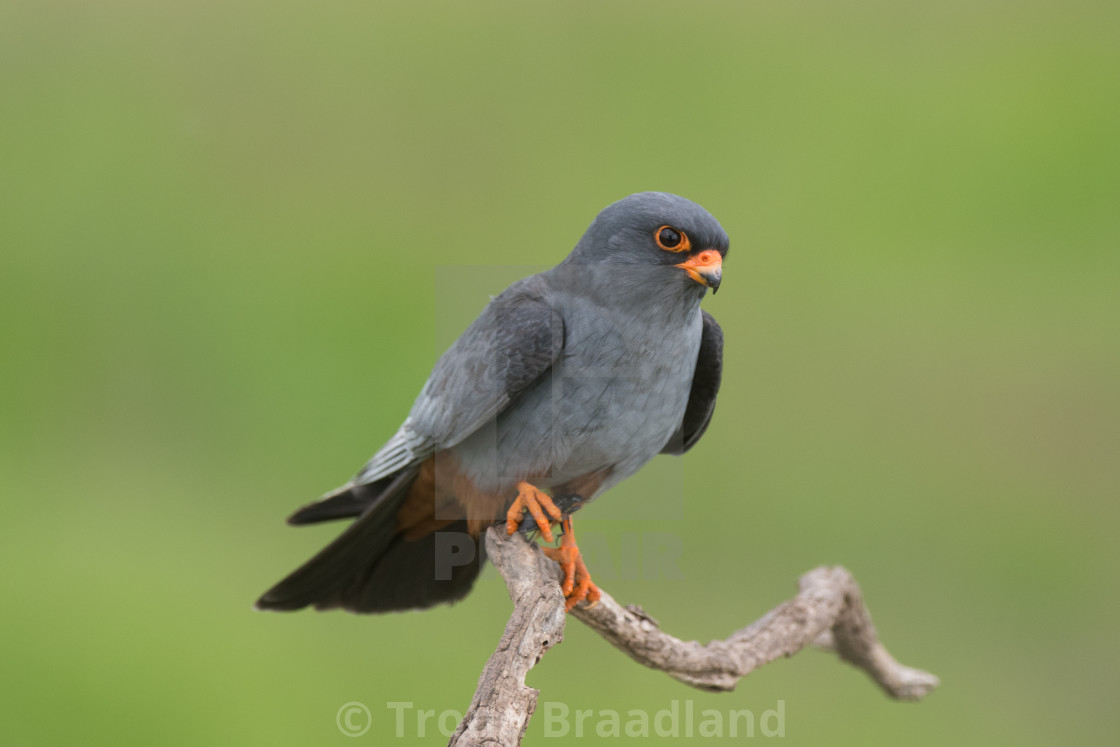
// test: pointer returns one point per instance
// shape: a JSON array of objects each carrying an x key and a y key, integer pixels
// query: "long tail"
[{"x": 371, "y": 567}]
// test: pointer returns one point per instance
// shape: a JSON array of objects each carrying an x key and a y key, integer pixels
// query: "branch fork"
[{"x": 828, "y": 612}]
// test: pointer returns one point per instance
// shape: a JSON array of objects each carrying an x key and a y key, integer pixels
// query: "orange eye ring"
[{"x": 672, "y": 239}]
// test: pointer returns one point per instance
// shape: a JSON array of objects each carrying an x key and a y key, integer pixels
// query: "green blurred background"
[{"x": 235, "y": 235}]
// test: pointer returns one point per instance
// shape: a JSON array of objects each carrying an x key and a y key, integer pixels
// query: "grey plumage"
[
  {"x": 705, "y": 386},
  {"x": 512, "y": 342},
  {"x": 592, "y": 367}
]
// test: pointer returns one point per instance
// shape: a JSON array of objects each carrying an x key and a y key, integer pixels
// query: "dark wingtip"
[
  {"x": 272, "y": 602},
  {"x": 347, "y": 502},
  {"x": 264, "y": 604},
  {"x": 299, "y": 517}
]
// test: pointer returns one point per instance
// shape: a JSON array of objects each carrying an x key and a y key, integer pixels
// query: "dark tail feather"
[
  {"x": 414, "y": 574},
  {"x": 372, "y": 568}
]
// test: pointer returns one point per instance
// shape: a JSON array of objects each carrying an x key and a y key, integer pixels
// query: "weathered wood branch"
[
  {"x": 503, "y": 703},
  {"x": 827, "y": 612}
]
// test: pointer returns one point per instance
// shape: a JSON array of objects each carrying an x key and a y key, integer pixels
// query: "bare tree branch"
[
  {"x": 827, "y": 612},
  {"x": 503, "y": 703}
]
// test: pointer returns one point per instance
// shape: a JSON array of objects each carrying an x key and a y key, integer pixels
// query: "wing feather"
[
  {"x": 516, "y": 338},
  {"x": 705, "y": 386}
]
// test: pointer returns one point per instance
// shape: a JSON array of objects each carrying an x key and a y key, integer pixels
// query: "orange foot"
[
  {"x": 577, "y": 585},
  {"x": 531, "y": 499}
]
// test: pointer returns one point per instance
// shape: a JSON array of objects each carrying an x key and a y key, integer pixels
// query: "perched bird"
[{"x": 566, "y": 384}]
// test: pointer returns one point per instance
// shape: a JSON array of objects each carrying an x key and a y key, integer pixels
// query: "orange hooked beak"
[{"x": 705, "y": 268}]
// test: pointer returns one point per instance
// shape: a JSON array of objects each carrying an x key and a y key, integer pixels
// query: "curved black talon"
[{"x": 568, "y": 504}]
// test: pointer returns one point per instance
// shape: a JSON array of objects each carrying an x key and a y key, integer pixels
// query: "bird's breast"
[{"x": 611, "y": 402}]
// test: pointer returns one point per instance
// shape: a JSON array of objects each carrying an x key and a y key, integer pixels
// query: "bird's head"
[{"x": 679, "y": 239}]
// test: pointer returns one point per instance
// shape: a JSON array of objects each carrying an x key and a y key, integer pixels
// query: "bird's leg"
[
  {"x": 577, "y": 585},
  {"x": 536, "y": 502}
]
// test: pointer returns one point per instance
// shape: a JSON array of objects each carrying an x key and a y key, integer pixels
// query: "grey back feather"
[{"x": 516, "y": 338}]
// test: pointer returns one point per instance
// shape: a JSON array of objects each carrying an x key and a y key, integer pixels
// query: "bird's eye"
[{"x": 671, "y": 240}]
